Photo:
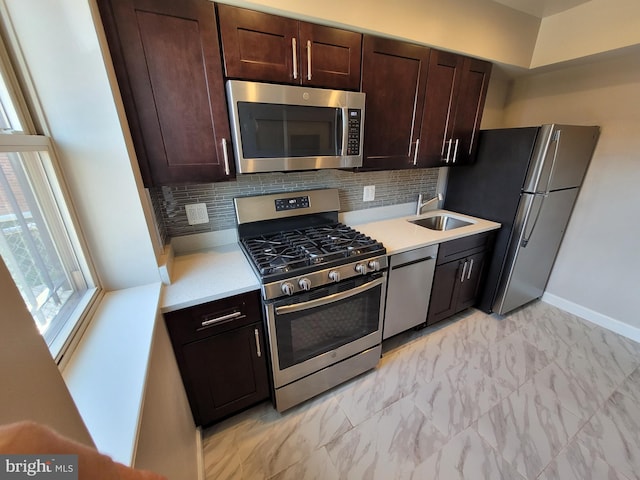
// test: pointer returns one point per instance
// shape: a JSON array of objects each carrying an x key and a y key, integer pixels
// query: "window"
[{"x": 38, "y": 241}]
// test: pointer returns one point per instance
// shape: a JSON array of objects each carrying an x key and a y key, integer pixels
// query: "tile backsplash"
[{"x": 391, "y": 187}]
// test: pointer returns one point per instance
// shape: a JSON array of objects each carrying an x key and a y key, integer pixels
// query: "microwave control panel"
[{"x": 353, "y": 139}]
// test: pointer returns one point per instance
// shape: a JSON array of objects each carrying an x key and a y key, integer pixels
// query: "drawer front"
[
  {"x": 462, "y": 247},
  {"x": 213, "y": 318}
]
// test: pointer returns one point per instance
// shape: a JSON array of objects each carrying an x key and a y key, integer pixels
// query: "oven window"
[
  {"x": 275, "y": 131},
  {"x": 305, "y": 334}
]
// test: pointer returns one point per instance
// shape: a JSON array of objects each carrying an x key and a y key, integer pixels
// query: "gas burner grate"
[{"x": 287, "y": 251}]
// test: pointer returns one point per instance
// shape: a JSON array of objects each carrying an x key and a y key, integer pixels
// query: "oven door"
[{"x": 311, "y": 331}]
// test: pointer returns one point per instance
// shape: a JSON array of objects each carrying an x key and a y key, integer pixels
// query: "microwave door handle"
[{"x": 342, "y": 130}]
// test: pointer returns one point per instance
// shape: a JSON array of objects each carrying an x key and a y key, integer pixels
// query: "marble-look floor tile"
[
  {"x": 541, "y": 336},
  {"x": 614, "y": 434},
  {"x": 277, "y": 441},
  {"x": 466, "y": 457},
  {"x": 220, "y": 443},
  {"x": 528, "y": 428},
  {"x": 387, "y": 446},
  {"x": 444, "y": 350},
  {"x": 560, "y": 324},
  {"x": 316, "y": 467},
  {"x": 631, "y": 386},
  {"x": 458, "y": 398},
  {"x": 615, "y": 354},
  {"x": 482, "y": 330},
  {"x": 366, "y": 395},
  {"x": 576, "y": 463},
  {"x": 402, "y": 372},
  {"x": 477, "y": 396},
  {"x": 512, "y": 361}
]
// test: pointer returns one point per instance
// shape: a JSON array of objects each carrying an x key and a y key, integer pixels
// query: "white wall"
[
  {"x": 168, "y": 442},
  {"x": 32, "y": 387},
  {"x": 60, "y": 44},
  {"x": 594, "y": 27},
  {"x": 598, "y": 263}
]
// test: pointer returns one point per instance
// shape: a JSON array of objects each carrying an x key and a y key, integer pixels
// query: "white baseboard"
[
  {"x": 592, "y": 316},
  {"x": 200, "y": 454}
]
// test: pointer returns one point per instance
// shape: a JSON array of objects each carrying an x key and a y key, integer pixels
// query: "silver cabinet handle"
[
  {"x": 211, "y": 321},
  {"x": 455, "y": 152},
  {"x": 470, "y": 268},
  {"x": 464, "y": 270},
  {"x": 295, "y": 58},
  {"x": 450, "y": 141},
  {"x": 415, "y": 153},
  {"x": 257, "y": 335},
  {"x": 308, "y": 59},
  {"x": 225, "y": 156}
]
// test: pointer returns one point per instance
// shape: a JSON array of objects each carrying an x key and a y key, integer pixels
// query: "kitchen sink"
[{"x": 440, "y": 222}]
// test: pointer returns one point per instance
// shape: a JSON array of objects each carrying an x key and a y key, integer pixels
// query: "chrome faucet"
[{"x": 437, "y": 199}]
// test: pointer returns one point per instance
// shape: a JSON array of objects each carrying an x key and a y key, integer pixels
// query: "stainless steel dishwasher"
[{"x": 408, "y": 289}]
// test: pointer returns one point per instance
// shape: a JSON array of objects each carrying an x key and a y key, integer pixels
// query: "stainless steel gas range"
[{"x": 323, "y": 290}]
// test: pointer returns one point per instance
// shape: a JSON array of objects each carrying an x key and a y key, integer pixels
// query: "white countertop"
[
  {"x": 208, "y": 275},
  {"x": 399, "y": 235},
  {"x": 222, "y": 271}
]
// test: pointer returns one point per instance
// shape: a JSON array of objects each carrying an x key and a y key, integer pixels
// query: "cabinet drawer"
[
  {"x": 213, "y": 318},
  {"x": 462, "y": 247}
]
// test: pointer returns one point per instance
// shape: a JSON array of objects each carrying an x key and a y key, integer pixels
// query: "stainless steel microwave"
[{"x": 279, "y": 128}]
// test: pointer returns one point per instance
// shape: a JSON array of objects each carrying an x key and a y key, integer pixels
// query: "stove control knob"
[
  {"x": 334, "y": 275},
  {"x": 287, "y": 288},
  {"x": 374, "y": 265},
  {"x": 361, "y": 268},
  {"x": 304, "y": 283}
]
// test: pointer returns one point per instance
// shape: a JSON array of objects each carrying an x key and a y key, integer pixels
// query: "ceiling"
[{"x": 541, "y": 8}]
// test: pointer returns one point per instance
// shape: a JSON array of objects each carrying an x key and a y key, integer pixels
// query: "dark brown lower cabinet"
[
  {"x": 221, "y": 352},
  {"x": 458, "y": 275}
]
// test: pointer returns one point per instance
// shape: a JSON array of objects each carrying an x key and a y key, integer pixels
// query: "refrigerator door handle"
[
  {"x": 525, "y": 237},
  {"x": 556, "y": 139}
]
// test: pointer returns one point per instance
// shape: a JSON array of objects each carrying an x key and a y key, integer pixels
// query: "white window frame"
[{"x": 26, "y": 140}]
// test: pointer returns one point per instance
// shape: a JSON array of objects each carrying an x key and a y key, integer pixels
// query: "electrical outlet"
[
  {"x": 369, "y": 193},
  {"x": 197, "y": 213}
]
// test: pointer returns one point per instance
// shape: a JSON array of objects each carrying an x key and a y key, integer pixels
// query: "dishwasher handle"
[
  {"x": 413, "y": 256},
  {"x": 413, "y": 262}
]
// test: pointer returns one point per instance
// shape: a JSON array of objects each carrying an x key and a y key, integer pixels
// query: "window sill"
[{"x": 107, "y": 372}]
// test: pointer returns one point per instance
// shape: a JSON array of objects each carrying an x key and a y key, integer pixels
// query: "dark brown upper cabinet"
[
  {"x": 269, "y": 48},
  {"x": 424, "y": 106},
  {"x": 455, "y": 97},
  {"x": 167, "y": 61},
  {"x": 394, "y": 76}
]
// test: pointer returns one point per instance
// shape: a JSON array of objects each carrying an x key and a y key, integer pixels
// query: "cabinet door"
[
  {"x": 393, "y": 77},
  {"x": 227, "y": 372},
  {"x": 446, "y": 282},
  {"x": 443, "y": 78},
  {"x": 470, "y": 284},
  {"x": 333, "y": 55},
  {"x": 167, "y": 62},
  {"x": 470, "y": 105},
  {"x": 259, "y": 46}
]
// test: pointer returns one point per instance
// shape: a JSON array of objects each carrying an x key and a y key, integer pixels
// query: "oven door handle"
[{"x": 330, "y": 299}]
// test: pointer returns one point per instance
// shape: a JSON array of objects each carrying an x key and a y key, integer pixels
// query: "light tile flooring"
[{"x": 538, "y": 394}]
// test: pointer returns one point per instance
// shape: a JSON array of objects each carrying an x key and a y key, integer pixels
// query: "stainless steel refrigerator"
[{"x": 527, "y": 179}]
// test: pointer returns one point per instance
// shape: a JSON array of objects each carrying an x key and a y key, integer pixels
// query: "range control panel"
[
  {"x": 292, "y": 203},
  {"x": 353, "y": 139}
]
